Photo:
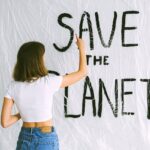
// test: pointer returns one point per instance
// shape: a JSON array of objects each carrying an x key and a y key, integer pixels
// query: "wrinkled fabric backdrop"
[{"x": 109, "y": 108}]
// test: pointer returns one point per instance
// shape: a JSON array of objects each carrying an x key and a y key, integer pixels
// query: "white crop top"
[{"x": 34, "y": 100}]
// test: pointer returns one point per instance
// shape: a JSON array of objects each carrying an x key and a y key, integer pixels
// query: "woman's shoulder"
[
  {"x": 11, "y": 82},
  {"x": 50, "y": 76},
  {"x": 53, "y": 77}
]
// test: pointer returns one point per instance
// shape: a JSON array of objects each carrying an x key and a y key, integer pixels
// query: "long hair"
[{"x": 30, "y": 62}]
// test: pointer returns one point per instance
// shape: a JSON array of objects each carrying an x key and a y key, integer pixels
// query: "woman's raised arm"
[{"x": 82, "y": 71}]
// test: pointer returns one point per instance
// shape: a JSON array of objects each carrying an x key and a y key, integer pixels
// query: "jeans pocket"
[{"x": 41, "y": 145}]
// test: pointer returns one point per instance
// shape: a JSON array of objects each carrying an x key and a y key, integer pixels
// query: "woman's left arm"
[
  {"x": 6, "y": 118},
  {"x": 13, "y": 119}
]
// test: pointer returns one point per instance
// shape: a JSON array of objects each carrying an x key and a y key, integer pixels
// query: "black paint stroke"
[
  {"x": 100, "y": 31},
  {"x": 60, "y": 18},
  {"x": 124, "y": 28}
]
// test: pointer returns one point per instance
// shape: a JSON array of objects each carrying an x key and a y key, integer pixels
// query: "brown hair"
[{"x": 30, "y": 62}]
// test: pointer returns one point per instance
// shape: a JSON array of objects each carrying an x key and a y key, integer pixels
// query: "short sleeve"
[
  {"x": 9, "y": 91},
  {"x": 55, "y": 82}
]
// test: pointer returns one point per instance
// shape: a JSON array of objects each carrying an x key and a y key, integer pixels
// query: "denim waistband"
[
  {"x": 33, "y": 129},
  {"x": 34, "y": 134}
]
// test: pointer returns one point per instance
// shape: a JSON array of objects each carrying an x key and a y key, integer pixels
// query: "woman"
[{"x": 32, "y": 90}]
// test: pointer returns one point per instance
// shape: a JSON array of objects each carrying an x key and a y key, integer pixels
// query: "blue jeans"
[{"x": 35, "y": 139}]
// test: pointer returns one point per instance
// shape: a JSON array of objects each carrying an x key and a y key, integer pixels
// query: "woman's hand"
[{"x": 80, "y": 43}]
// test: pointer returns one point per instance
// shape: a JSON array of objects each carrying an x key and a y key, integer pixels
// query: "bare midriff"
[{"x": 38, "y": 124}]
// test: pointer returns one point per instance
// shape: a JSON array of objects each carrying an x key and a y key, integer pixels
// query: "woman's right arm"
[{"x": 82, "y": 71}]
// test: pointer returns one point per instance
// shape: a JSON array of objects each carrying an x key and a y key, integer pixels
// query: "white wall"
[{"x": 23, "y": 21}]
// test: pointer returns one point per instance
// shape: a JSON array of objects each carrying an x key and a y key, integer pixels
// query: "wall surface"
[{"x": 107, "y": 110}]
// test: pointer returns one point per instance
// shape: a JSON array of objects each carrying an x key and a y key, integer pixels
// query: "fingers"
[{"x": 76, "y": 36}]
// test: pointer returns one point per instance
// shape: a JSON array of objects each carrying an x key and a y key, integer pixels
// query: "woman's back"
[{"x": 34, "y": 99}]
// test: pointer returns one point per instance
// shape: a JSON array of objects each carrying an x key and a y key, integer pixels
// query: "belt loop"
[{"x": 31, "y": 130}]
